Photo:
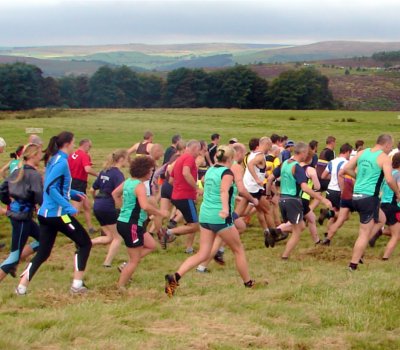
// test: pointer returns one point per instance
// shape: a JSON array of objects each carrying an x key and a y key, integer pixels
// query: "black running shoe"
[
  {"x": 326, "y": 241},
  {"x": 250, "y": 284},
  {"x": 266, "y": 238},
  {"x": 172, "y": 224},
  {"x": 322, "y": 216},
  {"x": 219, "y": 258},
  {"x": 280, "y": 236},
  {"x": 171, "y": 285},
  {"x": 374, "y": 238}
]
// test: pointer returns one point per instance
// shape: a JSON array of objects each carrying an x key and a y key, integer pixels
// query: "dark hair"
[
  {"x": 17, "y": 152},
  {"x": 176, "y": 139},
  {"x": 203, "y": 144},
  {"x": 396, "y": 160},
  {"x": 398, "y": 145},
  {"x": 275, "y": 138},
  {"x": 57, "y": 142},
  {"x": 313, "y": 144},
  {"x": 330, "y": 139},
  {"x": 254, "y": 143},
  {"x": 284, "y": 138},
  {"x": 215, "y": 136},
  {"x": 359, "y": 143},
  {"x": 147, "y": 135},
  {"x": 345, "y": 148},
  {"x": 140, "y": 166}
]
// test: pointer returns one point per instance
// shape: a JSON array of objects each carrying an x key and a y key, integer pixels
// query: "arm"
[
  {"x": 140, "y": 193},
  {"x": 351, "y": 165},
  {"x": 315, "y": 195},
  {"x": 238, "y": 176},
  {"x": 387, "y": 171},
  {"x": 341, "y": 179},
  {"x": 3, "y": 170},
  {"x": 253, "y": 163},
  {"x": 133, "y": 149},
  {"x": 117, "y": 195},
  {"x": 226, "y": 184},
  {"x": 89, "y": 170},
  {"x": 188, "y": 177},
  {"x": 312, "y": 173}
]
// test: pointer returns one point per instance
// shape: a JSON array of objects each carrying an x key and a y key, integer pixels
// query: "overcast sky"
[{"x": 88, "y": 22}]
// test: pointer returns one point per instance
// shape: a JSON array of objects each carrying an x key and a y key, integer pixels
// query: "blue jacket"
[{"x": 57, "y": 188}]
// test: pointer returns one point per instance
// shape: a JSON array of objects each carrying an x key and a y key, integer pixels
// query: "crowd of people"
[{"x": 280, "y": 181}]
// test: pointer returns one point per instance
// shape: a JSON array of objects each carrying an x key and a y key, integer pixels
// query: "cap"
[
  {"x": 233, "y": 140},
  {"x": 289, "y": 143}
]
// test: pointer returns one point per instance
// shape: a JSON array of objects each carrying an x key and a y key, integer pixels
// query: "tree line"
[
  {"x": 23, "y": 86},
  {"x": 387, "y": 56}
]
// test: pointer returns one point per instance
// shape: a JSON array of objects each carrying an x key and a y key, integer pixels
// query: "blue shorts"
[
  {"x": 215, "y": 227},
  {"x": 188, "y": 209}
]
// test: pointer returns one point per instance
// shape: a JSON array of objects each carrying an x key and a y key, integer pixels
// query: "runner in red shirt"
[
  {"x": 80, "y": 165},
  {"x": 184, "y": 193}
]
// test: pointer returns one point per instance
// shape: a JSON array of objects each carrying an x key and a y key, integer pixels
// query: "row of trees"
[
  {"x": 23, "y": 86},
  {"x": 387, "y": 56}
]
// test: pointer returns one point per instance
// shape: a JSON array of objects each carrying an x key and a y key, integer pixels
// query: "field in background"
[{"x": 311, "y": 301}]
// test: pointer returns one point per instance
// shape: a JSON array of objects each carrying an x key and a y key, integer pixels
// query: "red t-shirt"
[
  {"x": 77, "y": 162},
  {"x": 182, "y": 189}
]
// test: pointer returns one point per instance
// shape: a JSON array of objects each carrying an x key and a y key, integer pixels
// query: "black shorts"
[
  {"x": 131, "y": 233},
  {"x": 166, "y": 190},
  {"x": 334, "y": 197},
  {"x": 106, "y": 218},
  {"x": 79, "y": 185},
  {"x": 215, "y": 227},
  {"x": 368, "y": 208},
  {"x": 291, "y": 209},
  {"x": 390, "y": 211},
  {"x": 306, "y": 206},
  {"x": 188, "y": 209},
  {"x": 259, "y": 194},
  {"x": 347, "y": 203},
  {"x": 324, "y": 184}
]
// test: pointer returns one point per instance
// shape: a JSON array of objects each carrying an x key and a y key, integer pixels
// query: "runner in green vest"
[
  {"x": 215, "y": 219},
  {"x": 293, "y": 183},
  {"x": 373, "y": 165}
]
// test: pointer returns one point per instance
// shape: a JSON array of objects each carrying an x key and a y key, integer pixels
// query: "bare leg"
[
  {"x": 114, "y": 246},
  {"x": 312, "y": 226},
  {"x": 343, "y": 216},
  {"x": 294, "y": 239},
  {"x": 186, "y": 229},
  {"x": 364, "y": 234},
  {"x": 395, "y": 230},
  {"x": 127, "y": 272}
]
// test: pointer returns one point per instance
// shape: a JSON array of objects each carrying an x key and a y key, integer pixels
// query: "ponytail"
[
  {"x": 31, "y": 150},
  {"x": 113, "y": 158},
  {"x": 224, "y": 153},
  {"x": 55, "y": 143}
]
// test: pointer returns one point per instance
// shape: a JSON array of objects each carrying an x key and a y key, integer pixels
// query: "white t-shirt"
[
  {"x": 394, "y": 151},
  {"x": 248, "y": 180},
  {"x": 333, "y": 168}
]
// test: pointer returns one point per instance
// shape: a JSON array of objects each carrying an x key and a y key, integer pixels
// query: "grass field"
[{"x": 311, "y": 301}]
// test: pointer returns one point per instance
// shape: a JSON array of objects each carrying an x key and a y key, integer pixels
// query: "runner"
[
  {"x": 104, "y": 206},
  {"x": 171, "y": 150},
  {"x": 13, "y": 164},
  {"x": 80, "y": 165},
  {"x": 287, "y": 152},
  {"x": 359, "y": 146},
  {"x": 216, "y": 219},
  {"x": 212, "y": 148},
  {"x": 185, "y": 190},
  {"x": 326, "y": 155},
  {"x": 2, "y": 210},
  {"x": 391, "y": 208},
  {"x": 132, "y": 195},
  {"x": 373, "y": 164},
  {"x": 22, "y": 190},
  {"x": 57, "y": 214},
  {"x": 143, "y": 148},
  {"x": 313, "y": 144},
  {"x": 293, "y": 181}
]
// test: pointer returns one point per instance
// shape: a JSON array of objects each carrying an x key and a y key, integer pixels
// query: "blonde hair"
[
  {"x": 114, "y": 157},
  {"x": 31, "y": 150},
  {"x": 224, "y": 153}
]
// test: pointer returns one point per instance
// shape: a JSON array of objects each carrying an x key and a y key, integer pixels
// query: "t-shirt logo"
[{"x": 74, "y": 156}]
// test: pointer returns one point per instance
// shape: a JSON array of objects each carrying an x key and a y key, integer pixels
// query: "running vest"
[
  {"x": 388, "y": 196},
  {"x": 369, "y": 174},
  {"x": 131, "y": 212},
  {"x": 248, "y": 180},
  {"x": 142, "y": 149},
  {"x": 13, "y": 165},
  {"x": 310, "y": 185},
  {"x": 288, "y": 181},
  {"x": 212, "y": 203}
]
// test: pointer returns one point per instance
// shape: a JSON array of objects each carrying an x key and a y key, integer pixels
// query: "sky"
[{"x": 94, "y": 22}]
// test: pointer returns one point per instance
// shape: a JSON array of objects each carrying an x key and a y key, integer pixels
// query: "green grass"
[{"x": 311, "y": 301}]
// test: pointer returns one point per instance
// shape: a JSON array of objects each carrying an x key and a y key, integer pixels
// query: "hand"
[
  {"x": 260, "y": 183},
  {"x": 275, "y": 199},
  {"x": 327, "y": 203},
  {"x": 255, "y": 202},
  {"x": 82, "y": 196},
  {"x": 223, "y": 214}
]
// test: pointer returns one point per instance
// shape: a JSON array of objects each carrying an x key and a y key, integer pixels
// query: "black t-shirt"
[
  {"x": 169, "y": 152},
  {"x": 212, "y": 150}
]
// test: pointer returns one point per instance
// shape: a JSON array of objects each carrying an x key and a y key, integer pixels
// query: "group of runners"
[{"x": 278, "y": 180}]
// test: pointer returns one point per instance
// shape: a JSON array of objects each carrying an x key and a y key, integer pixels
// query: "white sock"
[
  {"x": 169, "y": 233},
  {"x": 77, "y": 283},
  {"x": 221, "y": 249},
  {"x": 201, "y": 268},
  {"x": 21, "y": 289}
]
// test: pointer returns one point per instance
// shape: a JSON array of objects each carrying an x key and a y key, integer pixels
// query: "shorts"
[
  {"x": 188, "y": 209},
  {"x": 291, "y": 209},
  {"x": 347, "y": 203},
  {"x": 259, "y": 194},
  {"x": 306, "y": 206},
  {"x": 132, "y": 234},
  {"x": 324, "y": 184},
  {"x": 235, "y": 216},
  {"x": 334, "y": 197},
  {"x": 215, "y": 227},
  {"x": 106, "y": 217},
  {"x": 166, "y": 190},
  {"x": 79, "y": 185},
  {"x": 390, "y": 211},
  {"x": 368, "y": 208}
]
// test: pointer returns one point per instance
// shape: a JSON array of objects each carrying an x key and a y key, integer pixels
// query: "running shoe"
[
  {"x": 19, "y": 293},
  {"x": 172, "y": 224},
  {"x": 326, "y": 241},
  {"x": 206, "y": 270},
  {"x": 322, "y": 216},
  {"x": 80, "y": 290},
  {"x": 250, "y": 284},
  {"x": 121, "y": 266},
  {"x": 374, "y": 238},
  {"x": 269, "y": 239},
  {"x": 219, "y": 258},
  {"x": 13, "y": 272},
  {"x": 171, "y": 285},
  {"x": 279, "y": 235}
]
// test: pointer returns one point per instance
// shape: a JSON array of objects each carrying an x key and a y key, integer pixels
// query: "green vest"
[
  {"x": 388, "y": 195},
  {"x": 131, "y": 211},
  {"x": 288, "y": 181},
  {"x": 369, "y": 174},
  {"x": 212, "y": 203}
]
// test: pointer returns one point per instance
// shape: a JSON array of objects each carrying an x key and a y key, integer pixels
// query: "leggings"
[
  {"x": 70, "y": 227},
  {"x": 21, "y": 230}
]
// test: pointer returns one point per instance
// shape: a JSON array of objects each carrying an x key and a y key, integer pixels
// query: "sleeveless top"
[
  {"x": 248, "y": 180},
  {"x": 388, "y": 196},
  {"x": 369, "y": 174},
  {"x": 131, "y": 212},
  {"x": 288, "y": 182},
  {"x": 142, "y": 149}
]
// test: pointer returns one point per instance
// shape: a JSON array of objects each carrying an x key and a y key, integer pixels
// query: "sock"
[
  {"x": 177, "y": 276},
  {"x": 77, "y": 283},
  {"x": 189, "y": 250},
  {"x": 169, "y": 233},
  {"x": 201, "y": 268},
  {"x": 21, "y": 289},
  {"x": 353, "y": 266},
  {"x": 221, "y": 250}
]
